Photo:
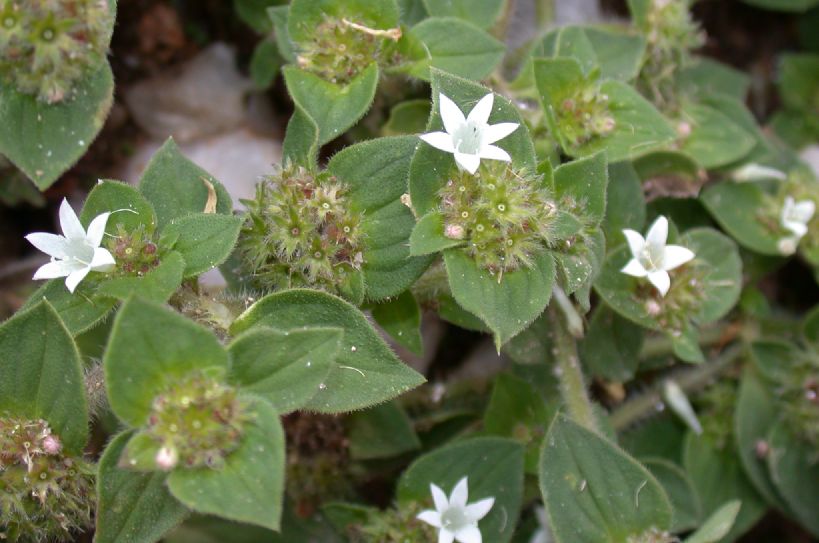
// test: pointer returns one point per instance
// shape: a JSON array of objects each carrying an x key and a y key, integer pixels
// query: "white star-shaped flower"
[
  {"x": 794, "y": 218},
  {"x": 76, "y": 252},
  {"x": 652, "y": 258},
  {"x": 455, "y": 519},
  {"x": 470, "y": 138}
]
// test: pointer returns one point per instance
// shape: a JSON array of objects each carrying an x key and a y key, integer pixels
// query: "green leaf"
[
  {"x": 718, "y": 525},
  {"x": 254, "y": 13},
  {"x": 793, "y": 468},
  {"x": 334, "y": 108},
  {"x": 585, "y": 181},
  {"x": 611, "y": 346},
  {"x": 250, "y": 486},
  {"x": 376, "y": 173},
  {"x": 409, "y": 117},
  {"x": 177, "y": 187},
  {"x": 430, "y": 167},
  {"x": 619, "y": 54},
  {"x": 625, "y": 204},
  {"x": 41, "y": 375},
  {"x": 157, "y": 285},
  {"x": 518, "y": 411},
  {"x": 428, "y": 235},
  {"x": 680, "y": 490},
  {"x": 285, "y": 369},
  {"x": 301, "y": 143},
  {"x": 737, "y": 208},
  {"x": 506, "y": 304},
  {"x": 48, "y": 139},
  {"x": 594, "y": 491},
  {"x": 133, "y": 507},
  {"x": 150, "y": 347},
  {"x": 705, "y": 77},
  {"x": 454, "y": 46},
  {"x": 79, "y": 311},
  {"x": 382, "y": 431},
  {"x": 400, "y": 317},
  {"x": 482, "y": 13},
  {"x": 638, "y": 127},
  {"x": 128, "y": 207},
  {"x": 306, "y": 15},
  {"x": 495, "y": 468},
  {"x": 715, "y": 139},
  {"x": 810, "y": 327},
  {"x": 204, "y": 240},
  {"x": 718, "y": 477},
  {"x": 265, "y": 64},
  {"x": 755, "y": 414},
  {"x": 784, "y": 5},
  {"x": 366, "y": 371},
  {"x": 278, "y": 15},
  {"x": 799, "y": 81}
]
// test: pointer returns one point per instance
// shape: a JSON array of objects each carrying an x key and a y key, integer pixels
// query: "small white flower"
[
  {"x": 652, "y": 258},
  {"x": 76, "y": 252},
  {"x": 455, "y": 519},
  {"x": 796, "y": 215},
  {"x": 676, "y": 399},
  {"x": 542, "y": 534},
  {"x": 470, "y": 138}
]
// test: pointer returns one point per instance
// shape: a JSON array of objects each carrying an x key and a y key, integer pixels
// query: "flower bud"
[
  {"x": 166, "y": 458},
  {"x": 454, "y": 231},
  {"x": 51, "y": 444}
]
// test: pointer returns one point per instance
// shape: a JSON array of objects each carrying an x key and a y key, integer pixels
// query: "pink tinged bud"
[
  {"x": 454, "y": 231},
  {"x": 167, "y": 458},
  {"x": 52, "y": 445},
  {"x": 684, "y": 129}
]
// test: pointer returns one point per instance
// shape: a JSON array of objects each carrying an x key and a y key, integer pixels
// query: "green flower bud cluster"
[
  {"x": 393, "y": 526},
  {"x": 797, "y": 390},
  {"x": 685, "y": 298},
  {"x": 585, "y": 116},
  {"x": 44, "y": 494},
  {"x": 341, "y": 49},
  {"x": 198, "y": 422},
  {"x": 135, "y": 252},
  {"x": 503, "y": 214},
  {"x": 46, "y": 46},
  {"x": 301, "y": 230},
  {"x": 716, "y": 406}
]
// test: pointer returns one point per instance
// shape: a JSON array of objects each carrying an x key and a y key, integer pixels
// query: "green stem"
[
  {"x": 690, "y": 380},
  {"x": 569, "y": 373}
]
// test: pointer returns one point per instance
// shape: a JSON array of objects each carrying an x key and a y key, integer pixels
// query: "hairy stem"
[
  {"x": 690, "y": 380},
  {"x": 569, "y": 373}
]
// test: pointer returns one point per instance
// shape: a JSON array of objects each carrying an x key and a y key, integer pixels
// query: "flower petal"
[
  {"x": 103, "y": 260},
  {"x": 540, "y": 536},
  {"x": 445, "y": 536},
  {"x": 439, "y": 140},
  {"x": 69, "y": 223},
  {"x": 469, "y": 163},
  {"x": 59, "y": 268},
  {"x": 803, "y": 210},
  {"x": 476, "y": 511},
  {"x": 675, "y": 256},
  {"x": 439, "y": 497},
  {"x": 496, "y": 132},
  {"x": 479, "y": 116},
  {"x": 657, "y": 235},
  {"x": 459, "y": 494},
  {"x": 433, "y": 518},
  {"x": 661, "y": 280},
  {"x": 75, "y": 277},
  {"x": 798, "y": 228},
  {"x": 51, "y": 244},
  {"x": 635, "y": 241},
  {"x": 470, "y": 534},
  {"x": 97, "y": 229},
  {"x": 634, "y": 268},
  {"x": 493, "y": 152},
  {"x": 451, "y": 114}
]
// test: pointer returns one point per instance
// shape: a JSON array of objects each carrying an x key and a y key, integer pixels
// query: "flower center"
[
  {"x": 80, "y": 251},
  {"x": 453, "y": 519},
  {"x": 651, "y": 260},
  {"x": 467, "y": 138}
]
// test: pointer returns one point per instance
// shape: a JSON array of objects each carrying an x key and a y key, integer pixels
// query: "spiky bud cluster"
[
  {"x": 134, "y": 252},
  {"x": 392, "y": 526},
  {"x": 503, "y": 214},
  {"x": 585, "y": 116},
  {"x": 653, "y": 535},
  {"x": 685, "y": 298},
  {"x": 301, "y": 230},
  {"x": 44, "y": 494},
  {"x": 341, "y": 49},
  {"x": 46, "y": 46},
  {"x": 716, "y": 406},
  {"x": 196, "y": 422},
  {"x": 797, "y": 390}
]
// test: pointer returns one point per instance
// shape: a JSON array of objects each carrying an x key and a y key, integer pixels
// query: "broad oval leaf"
[
  {"x": 793, "y": 468},
  {"x": 204, "y": 240},
  {"x": 127, "y": 206}
]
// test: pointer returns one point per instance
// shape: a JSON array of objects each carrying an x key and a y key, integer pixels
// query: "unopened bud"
[
  {"x": 787, "y": 246},
  {"x": 166, "y": 458},
  {"x": 454, "y": 231},
  {"x": 51, "y": 444},
  {"x": 684, "y": 129}
]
